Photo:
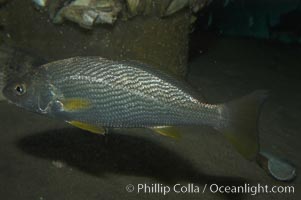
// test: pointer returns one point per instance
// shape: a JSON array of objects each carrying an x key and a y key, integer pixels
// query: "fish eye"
[{"x": 20, "y": 89}]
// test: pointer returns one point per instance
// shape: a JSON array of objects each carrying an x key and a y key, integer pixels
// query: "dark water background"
[{"x": 247, "y": 46}]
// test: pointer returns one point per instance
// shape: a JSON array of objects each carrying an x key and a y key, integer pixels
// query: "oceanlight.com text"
[{"x": 191, "y": 188}]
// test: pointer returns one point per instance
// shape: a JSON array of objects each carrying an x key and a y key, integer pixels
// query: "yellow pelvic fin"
[
  {"x": 168, "y": 131},
  {"x": 88, "y": 127},
  {"x": 75, "y": 104}
]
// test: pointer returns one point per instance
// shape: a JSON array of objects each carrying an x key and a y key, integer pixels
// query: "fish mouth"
[
  {"x": 14, "y": 103},
  {"x": 7, "y": 92},
  {"x": 11, "y": 102}
]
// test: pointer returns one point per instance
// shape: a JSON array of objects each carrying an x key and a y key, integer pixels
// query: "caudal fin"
[{"x": 240, "y": 128}]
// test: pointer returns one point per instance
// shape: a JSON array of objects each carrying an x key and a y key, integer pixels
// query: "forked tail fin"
[{"x": 240, "y": 123}]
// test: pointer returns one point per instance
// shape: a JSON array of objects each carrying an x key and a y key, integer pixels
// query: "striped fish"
[{"x": 94, "y": 93}]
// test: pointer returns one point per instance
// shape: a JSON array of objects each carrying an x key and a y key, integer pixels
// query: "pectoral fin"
[
  {"x": 75, "y": 104},
  {"x": 168, "y": 131},
  {"x": 88, "y": 127}
]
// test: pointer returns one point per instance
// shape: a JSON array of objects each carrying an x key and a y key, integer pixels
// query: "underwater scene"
[{"x": 150, "y": 99}]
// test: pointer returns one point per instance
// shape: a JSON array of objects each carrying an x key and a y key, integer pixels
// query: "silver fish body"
[
  {"x": 121, "y": 94},
  {"x": 93, "y": 92}
]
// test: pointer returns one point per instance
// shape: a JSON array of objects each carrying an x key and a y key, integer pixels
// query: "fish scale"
[{"x": 126, "y": 94}]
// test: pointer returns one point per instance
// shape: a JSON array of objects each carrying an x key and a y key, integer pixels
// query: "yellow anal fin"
[
  {"x": 88, "y": 127},
  {"x": 168, "y": 131},
  {"x": 75, "y": 104}
]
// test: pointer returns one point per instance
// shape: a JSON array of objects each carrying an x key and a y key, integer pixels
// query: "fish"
[{"x": 95, "y": 94}]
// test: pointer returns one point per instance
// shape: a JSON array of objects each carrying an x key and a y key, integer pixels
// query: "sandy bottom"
[{"x": 43, "y": 159}]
